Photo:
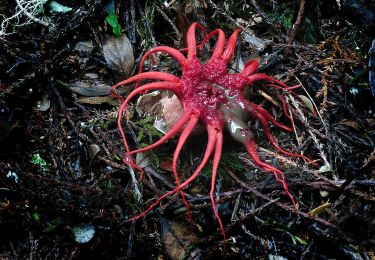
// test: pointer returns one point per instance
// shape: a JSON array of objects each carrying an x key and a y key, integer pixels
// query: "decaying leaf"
[
  {"x": 325, "y": 168},
  {"x": 83, "y": 233},
  {"x": 118, "y": 53},
  {"x": 258, "y": 43},
  {"x": 89, "y": 88},
  {"x": 166, "y": 109},
  {"x": 98, "y": 100},
  {"x": 84, "y": 47},
  {"x": 350, "y": 123},
  {"x": 94, "y": 150},
  {"x": 177, "y": 239}
]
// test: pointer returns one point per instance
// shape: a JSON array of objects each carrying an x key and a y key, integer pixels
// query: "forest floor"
[{"x": 65, "y": 191}]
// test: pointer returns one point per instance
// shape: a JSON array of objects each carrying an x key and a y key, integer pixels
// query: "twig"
[
  {"x": 133, "y": 36},
  {"x": 296, "y": 26},
  {"x": 178, "y": 34},
  {"x": 260, "y": 12}
]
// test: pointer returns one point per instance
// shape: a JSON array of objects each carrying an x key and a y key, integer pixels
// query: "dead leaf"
[
  {"x": 99, "y": 100},
  {"x": 84, "y": 47},
  {"x": 89, "y": 89},
  {"x": 165, "y": 108},
  {"x": 143, "y": 159},
  {"x": 307, "y": 102},
  {"x": 94, "y": 150},
  {"x": 258, "y": 43},
  {"x": 350, "y": 123},
  {"x": 148, "y": 104},
  {"x": 172, "y": 110},
  {"x": 178, "y": 238},
  {"x": 118, "y": 53}
]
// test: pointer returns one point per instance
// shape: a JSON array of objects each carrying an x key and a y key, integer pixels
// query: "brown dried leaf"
[
  {"x": 178, "y": 239},
  {"x": 350, "y": 123},
  {"x": 118, "y": 53},
  {"x": 98, "y": 100}
]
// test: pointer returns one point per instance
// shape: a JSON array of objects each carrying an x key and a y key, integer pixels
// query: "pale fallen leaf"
[
  {"x": 165, "y": 108},
  {"x": 59, "y": 8},
  {"x": 118, "y": 53},
  {"x": 143, "y": 160},
  {"x": 307, "y": 102}
]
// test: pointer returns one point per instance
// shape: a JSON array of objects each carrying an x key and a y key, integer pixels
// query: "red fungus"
[{"x": 209, "y": 94}]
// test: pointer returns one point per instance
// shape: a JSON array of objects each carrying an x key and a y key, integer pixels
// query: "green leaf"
[
  {"x": 299, "y": 240},
  {"x": 37, "y": 160},
  {"x": 36, "y": 217},
  {"x": 117, "y": 31},
  {"x": 56, "y": 7},
  {"x": 113, "y": 22}
]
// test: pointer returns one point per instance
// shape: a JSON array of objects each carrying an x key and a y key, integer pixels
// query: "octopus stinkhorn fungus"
[{"x": 213, "y": 96}]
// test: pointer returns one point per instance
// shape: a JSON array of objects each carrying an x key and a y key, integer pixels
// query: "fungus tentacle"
[
  {"x": 209, "y": 149},
  {"x": 169, "y": 50},
  {"x": 149, "y": 76},
  {"x": 231, "y": 46},
  {"x": 279, "y": 175},
  {"x": 256, "y": 109},
  {"x": 250, "y": 68},
  {"x": 263, "y": 121},
  {"x": 192, "y": 41},
  {"x": 219, "y": 48},
  {"x": 260, "y": 76},
  {"x": 123, "y": 107},
  {"x": 181, "y": 141},
  {"x": 215, "y": 165},
  {"x": 208, "y": 92},
  {"x": 171, "y": 133},
  {"x": 220, "y": 44}
]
